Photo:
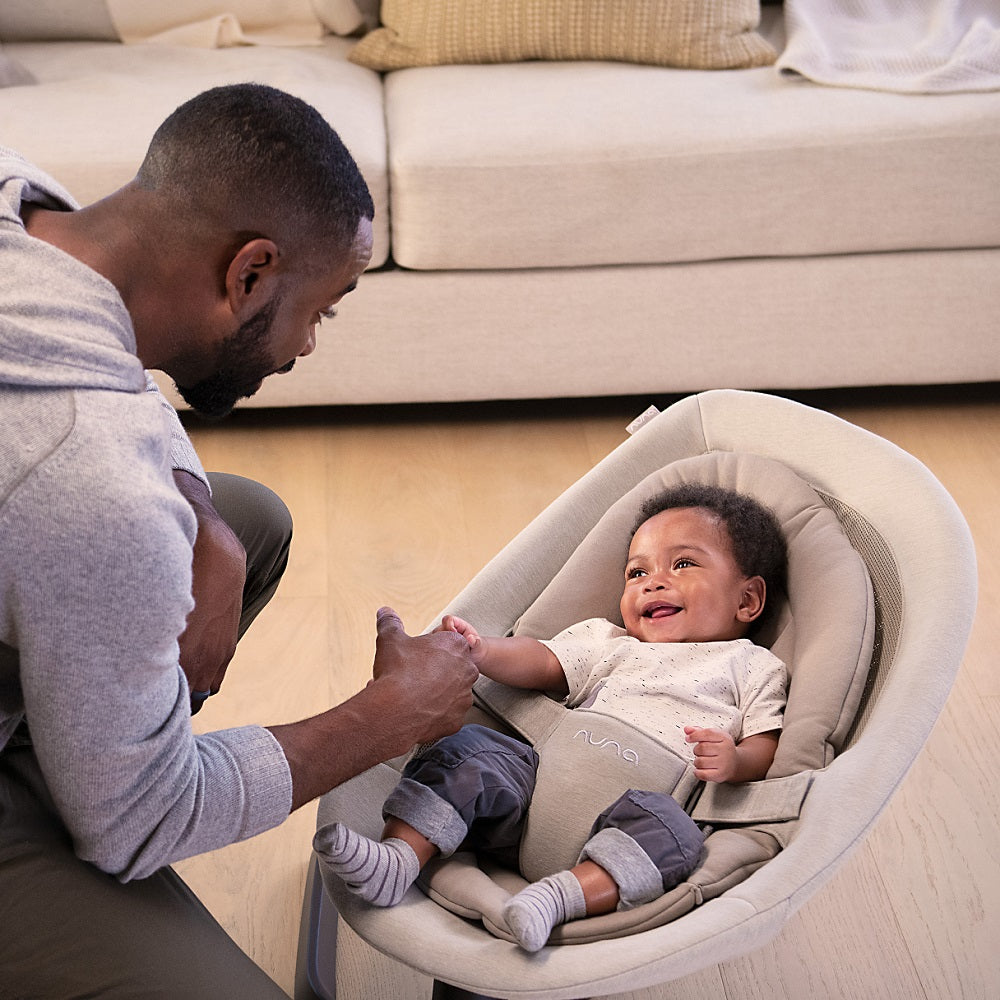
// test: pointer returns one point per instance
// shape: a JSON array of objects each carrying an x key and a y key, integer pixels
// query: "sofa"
[{"x": 575, "y": 220}]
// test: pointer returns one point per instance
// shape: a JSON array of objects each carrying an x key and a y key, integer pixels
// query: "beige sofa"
[{"x": 550, "y": 228}]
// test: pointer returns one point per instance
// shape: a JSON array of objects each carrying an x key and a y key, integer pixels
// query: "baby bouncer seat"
[{"x": 872, "y": 537}]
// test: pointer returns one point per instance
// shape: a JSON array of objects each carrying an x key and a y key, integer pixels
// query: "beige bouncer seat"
[{"x": 871, "y": 535}]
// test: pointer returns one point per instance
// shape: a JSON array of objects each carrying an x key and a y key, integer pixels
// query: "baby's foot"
[
  {"x": 534, "y": 911},
  {"x": 378, "y": 872}
]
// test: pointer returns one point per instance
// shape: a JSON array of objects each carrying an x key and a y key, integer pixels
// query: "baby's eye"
[
  {"x": 683, "y": 563},
  {"x": 634, "y": 573}
]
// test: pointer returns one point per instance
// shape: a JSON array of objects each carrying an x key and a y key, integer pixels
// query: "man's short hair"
[{"x": 249, "y": 151}]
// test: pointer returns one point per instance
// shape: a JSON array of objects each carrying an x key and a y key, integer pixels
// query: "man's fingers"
[{"x": 387, "y": 622}]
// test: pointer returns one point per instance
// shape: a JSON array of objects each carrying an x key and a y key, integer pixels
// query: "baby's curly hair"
[{"x": 757, "y": 540}]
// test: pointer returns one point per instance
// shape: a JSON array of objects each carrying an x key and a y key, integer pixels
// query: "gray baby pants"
[{"x": 473, "y": 789}]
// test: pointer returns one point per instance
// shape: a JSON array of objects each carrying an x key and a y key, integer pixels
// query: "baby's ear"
[{"x": 752, "y": 600}]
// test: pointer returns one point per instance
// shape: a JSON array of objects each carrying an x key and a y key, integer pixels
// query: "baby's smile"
[{"x": 661, "y": 610}]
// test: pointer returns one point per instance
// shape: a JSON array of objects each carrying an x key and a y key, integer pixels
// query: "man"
[{"x": 123, "y": 589}]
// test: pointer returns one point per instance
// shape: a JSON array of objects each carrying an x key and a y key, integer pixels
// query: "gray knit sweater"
[{"x": 95, "y": 572}]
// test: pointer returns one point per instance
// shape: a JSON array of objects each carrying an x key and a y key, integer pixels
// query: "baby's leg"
[
  {"x": 585, "y": 890},
  {"x": 475, "y": 782},
  {"x": 379, "y": 872},
  {"x": 640, "y": 847}
]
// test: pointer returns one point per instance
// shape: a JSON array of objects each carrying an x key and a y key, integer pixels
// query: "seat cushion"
[
  {"x": 542, "y": 164},
  {"x": 90, "y": 117},
  {"x": 825, "y": 643}
]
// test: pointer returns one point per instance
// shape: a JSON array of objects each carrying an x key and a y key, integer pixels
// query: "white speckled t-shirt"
[{"x": 661, "y": 687}]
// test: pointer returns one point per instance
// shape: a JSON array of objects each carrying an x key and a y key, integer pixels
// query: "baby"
[{"x": 700, "y": 566}]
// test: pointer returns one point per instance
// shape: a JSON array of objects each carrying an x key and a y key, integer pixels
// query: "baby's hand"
[
  {"x": 452, "y": 623},
  {"x": 715, "y": 756}
]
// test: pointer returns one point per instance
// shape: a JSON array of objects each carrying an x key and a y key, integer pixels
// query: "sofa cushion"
[
  {"x": 566, "y": 164},
  {"x": 216, "y": 23},
  {"x": 12, "y": 73},
  {"x": 89, "y": 119},
  {"x": 135, "y": 20},
  {"x": 22, "y": 20},
  {"x": 704, "y": 34}
]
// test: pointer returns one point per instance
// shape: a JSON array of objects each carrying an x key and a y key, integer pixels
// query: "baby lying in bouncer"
[{"x": 700, "y": 566}]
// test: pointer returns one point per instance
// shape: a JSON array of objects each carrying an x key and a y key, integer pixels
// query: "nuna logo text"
[{"x": 626, "y": 753}]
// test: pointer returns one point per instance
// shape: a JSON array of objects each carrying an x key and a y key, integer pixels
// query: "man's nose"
[{"x": 310, "y": 343}]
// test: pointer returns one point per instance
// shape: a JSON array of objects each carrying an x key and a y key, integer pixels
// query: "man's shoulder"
[
  {"x": 35, "y": 425},
  {"x": 84, "y": 448}
]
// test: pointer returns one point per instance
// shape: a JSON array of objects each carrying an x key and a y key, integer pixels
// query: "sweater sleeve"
[{"x": 102, "y": 594}]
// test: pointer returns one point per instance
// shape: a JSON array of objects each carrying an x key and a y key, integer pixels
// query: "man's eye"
[{"x": 327, "y": 314}]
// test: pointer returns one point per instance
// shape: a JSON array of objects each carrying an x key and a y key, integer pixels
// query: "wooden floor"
[{"x": 402, "y": 506}]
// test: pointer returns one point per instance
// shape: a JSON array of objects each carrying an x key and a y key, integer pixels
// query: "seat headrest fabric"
[{"x": 823, "y": 631}]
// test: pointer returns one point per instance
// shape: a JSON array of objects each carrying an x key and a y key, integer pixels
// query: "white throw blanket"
[{"x": 909, "y": 46}]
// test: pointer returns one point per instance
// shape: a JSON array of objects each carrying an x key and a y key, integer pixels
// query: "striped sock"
[
  {"x": 380, "y": 873},
  {"x": 534, "y": 911}
]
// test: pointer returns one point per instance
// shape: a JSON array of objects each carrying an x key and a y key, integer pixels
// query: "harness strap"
[
  {"x": 531, "y": 714},
  {"x": 774, "y": 800}
]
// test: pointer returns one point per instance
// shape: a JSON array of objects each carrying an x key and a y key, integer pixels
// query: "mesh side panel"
[{"x": 888, "y": 605}]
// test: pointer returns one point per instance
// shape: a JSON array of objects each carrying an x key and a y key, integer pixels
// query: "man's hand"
[
  {"x": 435, "y": 674},
  {"x": 219, "y": 568},
  {"x": 420, "y": 691}
]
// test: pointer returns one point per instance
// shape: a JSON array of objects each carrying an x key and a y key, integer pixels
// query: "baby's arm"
[
  {"x": 514, "y": 660},
  {"x": 718, "y": 757}
]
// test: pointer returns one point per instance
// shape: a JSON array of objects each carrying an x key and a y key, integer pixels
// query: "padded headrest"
[{"x": 823, "y": 632}]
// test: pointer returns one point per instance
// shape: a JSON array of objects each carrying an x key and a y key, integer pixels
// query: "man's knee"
[
  {"x": 256, "y": 513},
  {"x": 263, "y": 525}
]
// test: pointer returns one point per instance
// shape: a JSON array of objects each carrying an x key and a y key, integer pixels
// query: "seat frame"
[{"x": 919, "y": 553}]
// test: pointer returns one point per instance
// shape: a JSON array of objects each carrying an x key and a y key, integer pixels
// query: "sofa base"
[{"x": 919, "y": 317}]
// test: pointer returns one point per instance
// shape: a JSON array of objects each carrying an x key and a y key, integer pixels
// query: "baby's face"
[{"x": 682, "y": 583}]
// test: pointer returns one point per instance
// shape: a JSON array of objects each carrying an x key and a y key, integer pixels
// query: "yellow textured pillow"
[{"x": 695, "y": 34}]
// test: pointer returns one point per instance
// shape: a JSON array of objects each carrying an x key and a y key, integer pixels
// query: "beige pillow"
[
  {"x": 347, "y": 17},
  {"x": 695, "y": 34}
]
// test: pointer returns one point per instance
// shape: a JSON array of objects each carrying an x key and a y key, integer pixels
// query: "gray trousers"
[{"x": 68, "y": 929}]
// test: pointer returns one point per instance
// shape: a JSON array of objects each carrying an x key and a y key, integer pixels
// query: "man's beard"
[{"x": 242, "y": 364}]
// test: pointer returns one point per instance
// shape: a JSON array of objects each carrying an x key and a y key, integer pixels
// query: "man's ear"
[
  {"x": 250, "y": 273},
  {"x": 752, "y": 599}
]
